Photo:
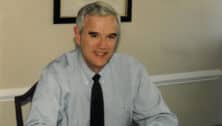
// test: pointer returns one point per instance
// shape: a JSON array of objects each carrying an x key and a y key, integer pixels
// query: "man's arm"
[
  {"x": 149, "y": 106},
  {"x": 45, "y": 104}
]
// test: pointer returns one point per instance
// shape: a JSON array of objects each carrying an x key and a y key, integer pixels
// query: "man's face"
[{"x": 97, "y": 40}]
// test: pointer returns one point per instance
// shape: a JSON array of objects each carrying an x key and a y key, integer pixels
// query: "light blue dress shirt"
[{"x": 62, "y": 97}]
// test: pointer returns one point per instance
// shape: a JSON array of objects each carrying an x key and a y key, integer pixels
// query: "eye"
[
  {"x": 93, "y": 34},
  {"x": 112, "y": 36}
]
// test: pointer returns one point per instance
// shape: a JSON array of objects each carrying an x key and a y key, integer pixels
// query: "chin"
[{"x": 100, "y": 64}]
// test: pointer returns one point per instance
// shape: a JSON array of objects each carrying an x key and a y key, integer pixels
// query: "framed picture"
[{"x": 65, "y": 11}]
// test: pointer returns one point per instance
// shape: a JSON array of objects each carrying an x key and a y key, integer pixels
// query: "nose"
[{"x": 102, "y": 43}]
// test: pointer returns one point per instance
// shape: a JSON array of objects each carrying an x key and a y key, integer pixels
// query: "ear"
[{"x": 77, "y": 35}]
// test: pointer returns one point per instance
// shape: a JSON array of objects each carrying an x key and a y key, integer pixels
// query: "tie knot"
[{"x": 96, "y": 77}]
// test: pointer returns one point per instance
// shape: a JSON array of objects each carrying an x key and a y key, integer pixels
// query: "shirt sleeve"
[
  {"x": 46, "y": 101},
  {"x": 149, "y": 106}
]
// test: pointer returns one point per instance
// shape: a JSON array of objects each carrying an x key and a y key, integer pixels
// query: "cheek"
[
  {"x": 86, "y": 43},
  {"x": 112, "y": 45}
]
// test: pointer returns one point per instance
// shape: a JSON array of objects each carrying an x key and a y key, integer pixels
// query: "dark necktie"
[{"x": 97, "y": 105}]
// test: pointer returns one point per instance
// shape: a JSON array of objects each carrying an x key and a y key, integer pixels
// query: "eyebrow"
[{"x": 93, "y": 33}]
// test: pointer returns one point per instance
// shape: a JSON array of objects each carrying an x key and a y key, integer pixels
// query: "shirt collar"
[{"x": 86, "y": 71}]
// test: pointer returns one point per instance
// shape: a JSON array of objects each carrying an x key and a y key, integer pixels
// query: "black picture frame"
[{"x": 58, "y": 19}]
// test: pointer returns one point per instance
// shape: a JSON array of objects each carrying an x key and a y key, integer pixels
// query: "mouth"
[{"x": 100, "y": 54}]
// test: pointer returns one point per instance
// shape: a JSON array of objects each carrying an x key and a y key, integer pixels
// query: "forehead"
[{"x": 96, "y": 22}]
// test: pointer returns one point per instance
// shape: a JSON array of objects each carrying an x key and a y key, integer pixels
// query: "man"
[{"x": 119, "y": 93}]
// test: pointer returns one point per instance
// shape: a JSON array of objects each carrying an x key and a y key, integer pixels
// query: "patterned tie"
[{"x": 97, "y": 105}]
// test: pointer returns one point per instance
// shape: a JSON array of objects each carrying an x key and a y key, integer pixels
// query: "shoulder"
[
  {"x": 129, "y": 69},
  {"x": 63, "y": 62},
  {"x": 126, "y": 62},
  {"x": 124, "y": 59}
]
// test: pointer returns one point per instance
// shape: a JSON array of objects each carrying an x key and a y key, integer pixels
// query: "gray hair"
[{"x": 96, "y": 8}]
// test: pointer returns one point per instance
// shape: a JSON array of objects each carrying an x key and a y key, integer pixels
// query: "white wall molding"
[
  {"x": 187, "y": 77},
  {"x": 9, "y": 94},
  {"x": 160, "y": 80}
]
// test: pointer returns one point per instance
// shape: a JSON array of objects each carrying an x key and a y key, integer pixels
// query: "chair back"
[{"x": 22, "y": 100}]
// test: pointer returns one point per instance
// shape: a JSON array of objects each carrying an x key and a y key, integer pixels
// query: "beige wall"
[
  {"x": 7, "y": 114},
  {"x": 168, "y": 36},
  {"x": 171, "y": 36},
  {"x": 30, "y": 40},
  {"x": 196, "y": 104}
]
